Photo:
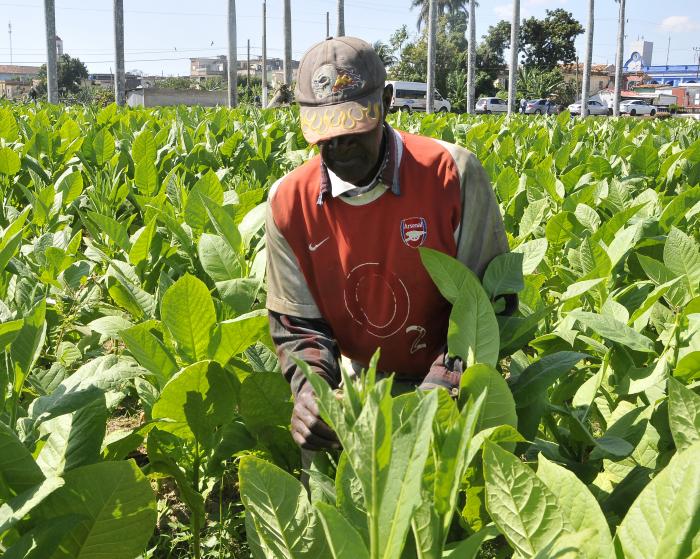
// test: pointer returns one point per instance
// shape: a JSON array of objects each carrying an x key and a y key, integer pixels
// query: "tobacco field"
[{"x": 143, "y": 415}]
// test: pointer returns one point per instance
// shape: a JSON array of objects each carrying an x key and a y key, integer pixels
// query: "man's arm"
[
  {"x": 299, "y": 332},
  {"x": 480, "y": 238},
  {"x": 306, "y": 339}
]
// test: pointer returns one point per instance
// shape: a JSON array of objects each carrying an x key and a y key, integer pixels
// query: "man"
[{"x": 343, "y": 231}]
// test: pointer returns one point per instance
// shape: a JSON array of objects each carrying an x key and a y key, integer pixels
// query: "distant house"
[
  {"x": 107, "y": 80},
  {"x": 203, "y": 67},
  {"x": 18, "y": 73},
  {"x": 602, "y": 76},
  {"x": 16, "y": 81}
]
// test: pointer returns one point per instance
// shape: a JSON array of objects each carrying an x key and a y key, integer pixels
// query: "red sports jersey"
[{"x": 361, "y": 262}]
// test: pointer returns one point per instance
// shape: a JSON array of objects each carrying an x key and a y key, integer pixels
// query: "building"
[
  {"x": 217, "y": 67},
  {"x": 639, "y": 70},
  {"x": 638, "y": 55},
  {"x": 16, "y": 81},
  {"x": 107, "y": 80},
  {"x": 602, "y": 76},
  {"x": 20, "y": 73},
  {"x": 59, "y": 46}
]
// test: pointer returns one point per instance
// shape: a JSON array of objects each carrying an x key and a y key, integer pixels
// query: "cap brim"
[{"x": 324, "y": 122}]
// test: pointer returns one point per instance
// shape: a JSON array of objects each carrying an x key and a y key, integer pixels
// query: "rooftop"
[{"x": 15, "y": 69}]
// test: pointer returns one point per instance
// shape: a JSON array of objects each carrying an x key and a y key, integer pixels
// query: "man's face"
[{"x": 353, "y": 157}]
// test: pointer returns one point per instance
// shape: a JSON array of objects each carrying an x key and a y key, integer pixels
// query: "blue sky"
[{"x": 161, "y": 35}]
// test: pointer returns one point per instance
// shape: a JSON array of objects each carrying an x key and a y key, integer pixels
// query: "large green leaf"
[
  {"x": 504, "y": 274},
  {"x": 117, "y": 506},
  {"x": 26, "y": 347},
  {"x": 10, "y": 163},
  {"x": 448, "y": 273},
  {"x": 683, "y": 414},
  {"x": 539, "y": 376},
  {"x": 188, "y": 311},
  {"x": 522, "y": 506},
  {"x": 217, "y": 258},
  {"x": 498, "y": 408},
  {"x": 343, "y": 540},
  {"x": 682, "y": 256},
  {"x": 265, "y": 401},
  {"x": 614, "y": 330},
  {"x": 664, "y": 520},
  {"x": 197, "y": 400},
  {"x": 208, "y": 187},
  {"x": 280, "y": 510},
  {"x": 19, "y": 470},
  {"x": 578, "y": 506},
  {"x": 13, "y": 510},
  {"x": 232, "y": 337},
  {"x": 149, "y": 351}
]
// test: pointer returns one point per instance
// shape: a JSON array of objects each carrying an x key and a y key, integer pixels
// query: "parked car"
[
  {"x": 487, "y": 105},
  {"x": 634, "y": 107},
  {"x": 594, "y": 108},
  {"x": 540, "y": 107},
  {"x": 411, "y": 96}
]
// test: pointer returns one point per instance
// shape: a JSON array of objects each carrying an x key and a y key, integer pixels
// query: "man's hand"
[
  {"x": 309, "y": 431},
  {"x": 445, "y": 372}
]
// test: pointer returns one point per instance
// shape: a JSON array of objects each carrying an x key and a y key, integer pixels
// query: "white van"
[{"x": 410, "y": 96}]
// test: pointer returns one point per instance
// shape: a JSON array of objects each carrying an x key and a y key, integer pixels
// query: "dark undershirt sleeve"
[{"x": 307, "y": 339}]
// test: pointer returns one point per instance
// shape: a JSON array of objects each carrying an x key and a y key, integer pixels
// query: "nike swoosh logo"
[{"x": 313, "y": 247}]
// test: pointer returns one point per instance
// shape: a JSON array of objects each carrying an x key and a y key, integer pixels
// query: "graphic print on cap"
[
  {"x": 329, "y": 80},
  {"x": 414, "y": 231}
]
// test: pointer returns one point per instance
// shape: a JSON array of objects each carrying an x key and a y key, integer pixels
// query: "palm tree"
[
  {"x": 443, "y": 7},
  {"x": 471, "y": 58},
  {"x": 384, "y": 52},
  {"x": 341, "y": 19},
  {"x": 287, "y": 62},
  {"x": 588, "y": 60},
  {"x": 514, "y": 47},
  {"x": 232, "y": 70},
  {"x": 432, "y": 48},
  {"x": 618, "y": 58}
]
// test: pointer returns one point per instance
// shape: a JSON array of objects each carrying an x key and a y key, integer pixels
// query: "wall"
[{"x": 157, "y": 97}]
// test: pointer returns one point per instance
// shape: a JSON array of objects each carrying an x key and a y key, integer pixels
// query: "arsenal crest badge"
[{"x": 414, "y": 231}]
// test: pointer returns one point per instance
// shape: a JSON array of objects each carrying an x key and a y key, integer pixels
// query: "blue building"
[{"x": 638, "y": 62}]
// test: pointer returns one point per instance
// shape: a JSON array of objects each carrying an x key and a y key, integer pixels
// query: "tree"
[
  {"x": 535, "y": 83},
  {"x": 588, "y": 60},
  {"x": 515, "y": 48},
  {"x": 550, "y": 41},
  {"x": 450, "y": 53},
  {"x": 490, "y": 60},
  {"x": 471, "y": 57},
  {"x": 443, "y": 7},
  {"x": 385, "y": 53},
  {"x": 71, "y": 72}
]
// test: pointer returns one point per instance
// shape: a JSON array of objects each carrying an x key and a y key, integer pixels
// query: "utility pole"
[
  {"x": 119, "y": 75},
  {"x": 328, "y": 24},
  {"x": 232, "y": 56},
  {"x": 471, "y": 58},
  {"x": 287, "y": 62},
  {"x": 9, "y": 27},
  {"x": 514, "y": 48},
  {"x": 341, "y": 19},
  {"x": 618, "y": 58},
  {"x": 589, "y": 58},
  {"x": 51, "y": 67},
  {"x": 432, "y": 44},
  {"x": 248, "y": 68},
  {"x": 264, "y": 54}
]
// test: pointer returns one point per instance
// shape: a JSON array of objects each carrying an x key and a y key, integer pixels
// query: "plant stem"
[{"x": 196, "y": 520}]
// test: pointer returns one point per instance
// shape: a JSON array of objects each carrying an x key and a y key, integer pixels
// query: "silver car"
[
  {"x": 540, "y": 107},
  {"x": 594, "y": 108},
  {"x": 488, "y": 105}
]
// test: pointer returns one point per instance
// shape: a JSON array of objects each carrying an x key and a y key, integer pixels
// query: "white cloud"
[
  {"x": 527, "y": 8},
  {"x": 545, "y": 3},
  {"x": 679, "y": 24}
]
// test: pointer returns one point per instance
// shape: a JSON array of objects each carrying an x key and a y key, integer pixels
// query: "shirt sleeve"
[
  {"x": 287, "y": 291},
  {"x": 481, "y": 235},
  {"x": 308, "y": 340}
]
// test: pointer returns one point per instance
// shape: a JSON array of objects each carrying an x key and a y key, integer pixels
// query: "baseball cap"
[{"x": 339, "y": 88}]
